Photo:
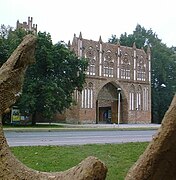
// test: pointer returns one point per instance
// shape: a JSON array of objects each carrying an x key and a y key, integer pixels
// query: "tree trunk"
[
  {"x": 34, "y": 118},
  {"x": 11, "y": 80},
  {"x": 158, "y": 162}
]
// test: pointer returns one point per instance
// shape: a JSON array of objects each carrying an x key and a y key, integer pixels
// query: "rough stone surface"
[
  {"x": 158, "y": 162},
  {"x": 11, "y": 80},
  {"x": 12, "y": 72}
]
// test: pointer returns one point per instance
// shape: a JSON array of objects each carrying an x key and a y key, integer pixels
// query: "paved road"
[{"x": 77, "y": 137}]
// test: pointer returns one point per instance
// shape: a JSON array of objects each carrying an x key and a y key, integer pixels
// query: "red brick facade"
[{"x": 112, "y": 69}]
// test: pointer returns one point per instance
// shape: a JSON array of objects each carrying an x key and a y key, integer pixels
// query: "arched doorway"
[{"x": 109, "y": 104}]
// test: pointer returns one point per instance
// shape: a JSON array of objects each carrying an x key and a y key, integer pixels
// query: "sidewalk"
[{"x": 122, "y": 126}]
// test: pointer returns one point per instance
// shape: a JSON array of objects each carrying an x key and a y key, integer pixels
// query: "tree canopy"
[
  {"x": 163, "y": 63},
  {"x": 49, "y": 83}
]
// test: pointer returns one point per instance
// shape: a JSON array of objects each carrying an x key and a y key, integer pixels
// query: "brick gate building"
[{"x": 117, "y": 88}]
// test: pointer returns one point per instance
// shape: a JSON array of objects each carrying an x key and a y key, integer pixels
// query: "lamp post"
[{"x": 118, "y": 118}]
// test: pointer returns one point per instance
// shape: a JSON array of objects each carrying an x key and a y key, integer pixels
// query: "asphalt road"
[{"x": 76, "y": 137}]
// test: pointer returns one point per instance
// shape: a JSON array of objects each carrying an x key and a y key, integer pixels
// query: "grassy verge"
[
  {"x": 62, "y": 127},
  {"x": 118, "y": 157}
]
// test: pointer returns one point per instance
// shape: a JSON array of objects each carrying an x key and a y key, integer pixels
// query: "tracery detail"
[
  {"x": 125, "y": 66},
  {"x": 141, "y": 69},
  {"x": 90, "y": 55},
  {"x": 108, "y": 64}
]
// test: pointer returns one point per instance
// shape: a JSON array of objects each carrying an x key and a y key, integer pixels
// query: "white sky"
[{"x": 63, "y": 18}]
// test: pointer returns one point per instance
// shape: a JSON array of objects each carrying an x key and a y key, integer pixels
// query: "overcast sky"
[{"x": 63, "y": 18}]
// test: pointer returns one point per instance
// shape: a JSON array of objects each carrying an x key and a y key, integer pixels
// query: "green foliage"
[
  {"x": 14, "y": 39},
  {"x": 117, "y": 157},
  {"x": 51, "y": 81},
  {"x": 163, "y": 64},
  {"x": 9, "y": 40},
  {"x": 4, "y": 48},
  {"x": 113, "y": 39}
]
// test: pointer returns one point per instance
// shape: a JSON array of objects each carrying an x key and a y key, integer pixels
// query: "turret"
[
  {"x": 80, "y": 46},
  {"x": 80, "y": 36},
  {"x": 134, "y": 45},
  {"x": 69, "y": 44},
  {"x": 148, "y": 50},
  {"x": 100, "y": 40},
  {"x": 27, "y": 26}
]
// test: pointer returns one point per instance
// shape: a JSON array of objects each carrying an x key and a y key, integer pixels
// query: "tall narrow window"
[
  {"x": 145, "y": 99},
  {"x": 139, "y": 98},
  {"x": 90, "y": 95},
  {"x": 131, "y": 97}
]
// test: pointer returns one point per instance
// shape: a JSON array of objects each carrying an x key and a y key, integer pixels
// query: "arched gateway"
[
  {"x": 111, "y": 105},
  {"x": 117, "y": 88}
]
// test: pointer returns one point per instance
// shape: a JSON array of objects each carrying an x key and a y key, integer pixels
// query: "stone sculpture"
[{"x": 158, "y": 162}]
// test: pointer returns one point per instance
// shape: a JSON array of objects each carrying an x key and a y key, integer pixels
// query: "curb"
[{"x": 93, "y": 127}]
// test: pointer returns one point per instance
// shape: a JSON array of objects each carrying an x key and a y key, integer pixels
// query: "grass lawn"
[{"x": 118, "y": 157}]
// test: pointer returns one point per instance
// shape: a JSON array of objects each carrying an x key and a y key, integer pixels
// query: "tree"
[
  {"x": 50, "y": 83},
  {"x": 3, "y": 44},
  {"x": 163, "y": 68},
  {"x": 9, "y": 40},
  {"x": 113, "y": 39}
]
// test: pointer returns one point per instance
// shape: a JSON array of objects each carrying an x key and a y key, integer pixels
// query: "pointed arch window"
[
  {"x": 125, "y": 66},
  {"x": 145, "y": 99},
  {"x": 132, "y": 98},
  {"x": 108, "y": 64},
  {"x": 90, "y": 55},
  {"x": 141, "y": 69},
  {"x": 139, "y": 98}
]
